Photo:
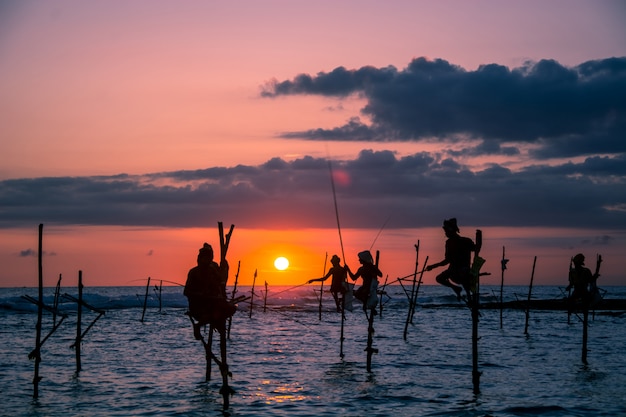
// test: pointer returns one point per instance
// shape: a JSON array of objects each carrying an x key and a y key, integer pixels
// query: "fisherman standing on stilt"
[
  {"x": 369, "y": 272},
  {"x": 338, "y": 285}
]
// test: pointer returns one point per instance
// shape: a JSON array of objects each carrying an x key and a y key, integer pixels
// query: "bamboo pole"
[
  {"x": 79, "y": 315},
  {"x": 409, "y": 315},
  {"x": 55, "y": 304},
  {"x": 226, "y": 391},
  {"x": 232, "y": 298},
  {"x": 530, "y": 289},
  {"x": 322, "y": 288},
  {"x": 37, "y": 378},
  {"x": 145, "y": 300},
  {"x": 585, "y": 333},
  {"x": 252, "y": 293},
  {"x": 370, "y": 327},
  {"x": 503, "y": 263}
]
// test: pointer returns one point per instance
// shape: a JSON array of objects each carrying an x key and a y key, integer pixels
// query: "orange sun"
[{"x": 281, "y": 263}]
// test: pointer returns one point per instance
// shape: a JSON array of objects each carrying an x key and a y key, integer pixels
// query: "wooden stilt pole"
[
  {"x": 343, "y": 319},
  {"x": 322, "y": 288},
  {"x": 37, "y": 378},
  {"x": 145, "y": 300},
  {"x": 79, "y": 315},
  {"x": 159, "y": 292},
  {"x": 475, "y": 318},
  {"x": 265, "y": 298},
  {"x": 55, "y": 305},
  {"x": 252, "y": 293},
  {"x": 409, "y": 316},
  {"x": 530, "y": 290},
  {"x": 585, "y": 332},
  {"x": 209, "y": 353},
  {"x": 232, "y": 298},
  {"x": 370, "y": 328},
  {"x": 503, "y": 263},
  {"x": 226, "y": 391}
]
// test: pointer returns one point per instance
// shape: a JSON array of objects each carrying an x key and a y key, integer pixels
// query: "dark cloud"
[
  {"x": 413, "y": 191},
  {"x": 565, "y": 111}
]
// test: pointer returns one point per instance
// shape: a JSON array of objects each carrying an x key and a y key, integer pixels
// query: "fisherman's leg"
[
  {"x": 444, "y": 279},
  {"x": 337, "y": 301}
]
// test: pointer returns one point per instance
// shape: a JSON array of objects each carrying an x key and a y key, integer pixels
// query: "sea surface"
[{"x": 285, "y": 360}]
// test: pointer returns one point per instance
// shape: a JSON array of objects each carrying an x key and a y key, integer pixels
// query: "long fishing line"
[
  {"x": 332, "y": 183},
  {"x": 379, "y": 232}
]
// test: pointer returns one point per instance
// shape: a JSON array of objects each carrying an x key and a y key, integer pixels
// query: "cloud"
[
  {"x": 563, "y": 111},
  {"x": 413, "y": 191}
]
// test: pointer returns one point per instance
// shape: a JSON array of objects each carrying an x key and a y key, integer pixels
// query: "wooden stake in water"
[
  {"x": 370, "y": 328},
  {"x": 79, "y": 315},
  {"x": 37, "y": 378},
  {"x": 55, "y": 305},
  {"x": 145, "y": 299},
  {"x": 232, "y": 298},
  {"x": 530, "y": 290},
  {"x": 265, "y": 298},
  {"x": 252, "y": 293},
  {"x": 503, "y": 263},
  {"x": 322, "y": 288}
]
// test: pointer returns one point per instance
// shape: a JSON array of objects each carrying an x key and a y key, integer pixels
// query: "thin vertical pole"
[
  {"x": 530, "y": 289},
  {"x": 322, "y": 287},
  {"x": 37, "y": 378},
  {"x": 232, "y": 298},
  {"x": 145, "y": 300},
  {"x": 265, "y": 298},
  {"x": 79, "y": 314},
  {"x": 585, "y": 332},
  {"x": 409, "y": 315},
  {"x": 57, "y": 293},
  {"x": 252, "y": 293},
  {"x": 475, "y": 300},
  {"x": 503, "y": 266},
  {"x": 370, "y": 328}
]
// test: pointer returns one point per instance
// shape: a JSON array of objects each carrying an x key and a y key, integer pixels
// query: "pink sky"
[{"x": 104, "y": 88}]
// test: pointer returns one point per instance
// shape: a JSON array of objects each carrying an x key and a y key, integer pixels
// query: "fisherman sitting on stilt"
[
  {"x": 205, "y": 290},
  {"x": 338, "y": 284},
  {"x": 458, "y": 256},
  {"x": 368, "y": 271}
]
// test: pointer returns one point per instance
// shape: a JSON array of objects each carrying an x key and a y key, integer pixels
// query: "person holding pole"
[
  {"x": 338, "y": 284},
  {"x": 205, "y": 290},
  {"x": 458, "y": 257},
  {"x": 581, "y": 280},
  {"x": 369, "y": 272}
]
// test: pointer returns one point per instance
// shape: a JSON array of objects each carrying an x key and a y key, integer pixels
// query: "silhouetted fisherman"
[
  {"x": 205, "y": 290},
  {"x": 369, "y": 272},
  {"x": 582, "y": 281},
  {"x": 338, "y": 284},
  {"x": 458, "y": 257}
]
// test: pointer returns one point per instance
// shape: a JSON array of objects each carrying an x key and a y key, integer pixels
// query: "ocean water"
[{"x": 285, "y": 361}]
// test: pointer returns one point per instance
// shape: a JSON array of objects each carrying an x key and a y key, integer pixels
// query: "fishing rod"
[
  {"x": 380, "y": 231},
  {"x": 291, "y": 288},
  {"x": 332, "y": 183}
]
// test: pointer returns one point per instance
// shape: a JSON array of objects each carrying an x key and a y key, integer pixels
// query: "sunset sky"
[{"x": 130, "y": 128}]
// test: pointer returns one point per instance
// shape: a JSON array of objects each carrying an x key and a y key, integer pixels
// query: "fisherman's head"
[
  {"x": 205, "y": 254},
  {"x": 335, "y": 260},
  {"x": 365, "y": 257},
  {"x": 579, "y": 259},
  {"x": 450, "y": 227}
]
